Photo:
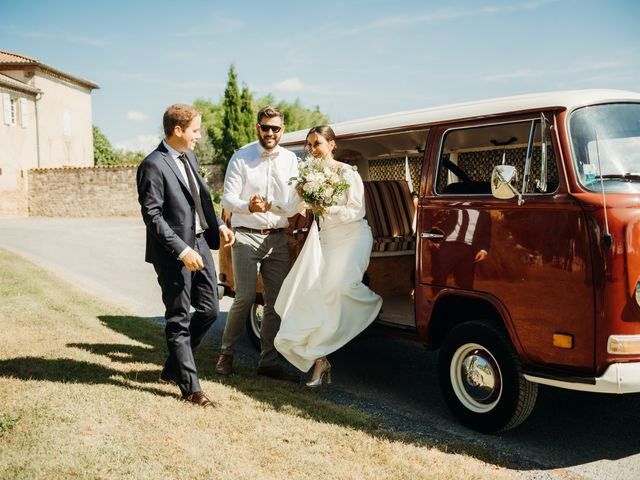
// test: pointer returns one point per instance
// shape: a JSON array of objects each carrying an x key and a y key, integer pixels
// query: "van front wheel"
[
  {"x": 481, "y": 379},
  {"x": 254, "y": 323}
]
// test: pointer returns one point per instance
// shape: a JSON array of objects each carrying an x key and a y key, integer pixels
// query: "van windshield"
[{"x": 606, "y": 147}]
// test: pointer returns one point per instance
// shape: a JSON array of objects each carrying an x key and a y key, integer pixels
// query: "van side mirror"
[{"x": 501, "y": 182}]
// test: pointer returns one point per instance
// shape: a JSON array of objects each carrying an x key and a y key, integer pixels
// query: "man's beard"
[{"x": 263, "y": 143}]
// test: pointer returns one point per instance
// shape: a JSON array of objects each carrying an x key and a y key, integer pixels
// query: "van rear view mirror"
[{"x": 501, "y": 182}]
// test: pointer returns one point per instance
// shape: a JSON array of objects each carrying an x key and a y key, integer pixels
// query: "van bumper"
[{"x": 617, "y": 378}]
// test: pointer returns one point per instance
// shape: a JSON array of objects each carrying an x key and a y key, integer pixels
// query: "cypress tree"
[
  {"x": 247, "y": 116},
  {"x": 232, "y": 135}
]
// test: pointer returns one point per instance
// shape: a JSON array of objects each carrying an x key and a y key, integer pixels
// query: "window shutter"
[
  {"x": 66, "y": 122},
  {"x": 24, "y": 112},
  {"x": 6, "y": 102}
]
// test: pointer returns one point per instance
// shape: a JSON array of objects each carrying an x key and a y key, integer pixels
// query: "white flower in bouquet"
[{"x": 320, "y": 183}]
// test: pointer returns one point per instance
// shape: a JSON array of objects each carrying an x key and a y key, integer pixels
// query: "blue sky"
[{"x": 351, "y": 58}]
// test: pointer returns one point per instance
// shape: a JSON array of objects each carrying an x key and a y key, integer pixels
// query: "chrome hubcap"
[{"x": 476, "y": 378}]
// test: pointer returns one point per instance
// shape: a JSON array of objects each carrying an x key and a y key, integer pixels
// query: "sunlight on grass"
[{"x": 79, "y": 398}]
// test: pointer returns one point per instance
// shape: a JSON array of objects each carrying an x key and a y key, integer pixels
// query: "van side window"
[{"x": 468, "y": 156}]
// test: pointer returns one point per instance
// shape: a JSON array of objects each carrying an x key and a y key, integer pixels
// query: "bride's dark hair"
[{"x": 325, "y": 131}]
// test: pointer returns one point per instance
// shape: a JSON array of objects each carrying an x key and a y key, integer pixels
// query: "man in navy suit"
[{"x": 182, "y": 227}]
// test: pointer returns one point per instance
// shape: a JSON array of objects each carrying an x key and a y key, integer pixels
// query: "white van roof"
[{"x": 568, "y": 100}]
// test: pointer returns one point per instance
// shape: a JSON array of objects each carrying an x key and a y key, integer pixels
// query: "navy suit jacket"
[{"x": 168, "y": 209}]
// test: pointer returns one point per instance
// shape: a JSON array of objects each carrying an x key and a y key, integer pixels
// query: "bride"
[{"x": 323, "y": 303}]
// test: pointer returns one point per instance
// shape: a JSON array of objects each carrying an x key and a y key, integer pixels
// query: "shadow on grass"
[
  {"x": 66, "y": 370},
  {"x": 546, "y": 429},
  {"x": 281, "y": 396}
]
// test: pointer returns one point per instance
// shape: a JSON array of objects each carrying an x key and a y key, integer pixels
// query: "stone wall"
[
  {"x": 108, "y": 191},
  {"x": 101, "y": 191}
]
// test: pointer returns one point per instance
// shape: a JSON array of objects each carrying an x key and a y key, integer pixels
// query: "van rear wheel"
[
  {"x": 254, "y": 323},
  {"x": 481, "y": 379}
]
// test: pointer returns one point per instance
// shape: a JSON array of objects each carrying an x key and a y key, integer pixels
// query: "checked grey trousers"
[{"x": 254, "y": 253}]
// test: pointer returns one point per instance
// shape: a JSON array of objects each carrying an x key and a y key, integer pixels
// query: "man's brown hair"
[
  {"x": 269, "y": 112},
  {"x": 178, "y": 115}
]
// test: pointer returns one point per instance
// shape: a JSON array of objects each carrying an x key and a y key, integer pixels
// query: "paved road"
[{"x": 569, "y": 434}]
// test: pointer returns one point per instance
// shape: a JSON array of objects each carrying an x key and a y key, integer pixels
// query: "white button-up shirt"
[
  {"x": 175, "y": 154},
  {"x": 252, "y": 170}
]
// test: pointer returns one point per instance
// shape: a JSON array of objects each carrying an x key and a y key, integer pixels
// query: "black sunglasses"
[{"x": 266, "y": 128}]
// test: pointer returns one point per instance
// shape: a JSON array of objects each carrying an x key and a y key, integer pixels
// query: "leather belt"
[{"x": 264, "y": 231}]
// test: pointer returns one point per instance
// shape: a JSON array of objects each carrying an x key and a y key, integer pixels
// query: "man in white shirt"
[{"x": 258, "y": 194}]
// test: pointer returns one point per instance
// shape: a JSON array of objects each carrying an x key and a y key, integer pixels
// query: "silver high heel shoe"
[{"x": 321, "y": 373}]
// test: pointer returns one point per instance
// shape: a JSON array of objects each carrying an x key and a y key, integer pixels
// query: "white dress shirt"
[
  {"x": 175, "y": 154},
  {"x": 252, "y": 170}
]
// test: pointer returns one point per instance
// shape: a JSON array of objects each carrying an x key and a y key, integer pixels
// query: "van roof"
[{"x": 568, "y": 100}]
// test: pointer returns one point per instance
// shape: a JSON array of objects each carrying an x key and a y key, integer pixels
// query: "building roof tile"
[{"x": 10, "y": 60}]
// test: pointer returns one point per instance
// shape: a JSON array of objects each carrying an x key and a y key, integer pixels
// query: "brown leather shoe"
[
  {"x": 199, "y": 398},
  {"x": 168, "y": 377},
  {"x": 279, "y": 373},
  {"x": 225, "y": 364}
]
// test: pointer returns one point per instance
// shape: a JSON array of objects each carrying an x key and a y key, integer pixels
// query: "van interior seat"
[{"x": 390, "y": 212}]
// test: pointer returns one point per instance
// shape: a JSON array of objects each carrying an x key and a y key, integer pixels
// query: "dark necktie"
[
  {"x": 194, "y": 190},
  {"x": 464, "y": 226}
]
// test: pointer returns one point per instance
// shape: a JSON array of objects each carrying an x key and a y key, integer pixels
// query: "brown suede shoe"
[
  {"x": 225, "y": 364},
  {"x": 199, "y": 398},
  {"x": 279, "y": 373}
]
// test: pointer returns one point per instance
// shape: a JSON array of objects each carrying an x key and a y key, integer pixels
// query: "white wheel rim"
[
  {"x": 257, "y": 312},
  {"x": 476, "y": 378}
]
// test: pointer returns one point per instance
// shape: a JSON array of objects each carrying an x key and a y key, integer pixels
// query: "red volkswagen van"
[{"x": 506, "y": 235}]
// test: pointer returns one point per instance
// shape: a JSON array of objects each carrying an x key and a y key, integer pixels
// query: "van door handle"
[{"x": 432, "y": 235}]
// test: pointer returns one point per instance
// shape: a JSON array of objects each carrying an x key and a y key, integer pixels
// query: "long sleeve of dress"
[{"x": 354, "y": 209}]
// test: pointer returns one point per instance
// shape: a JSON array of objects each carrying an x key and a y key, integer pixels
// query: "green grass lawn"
[{"x": 79, "y": 398}]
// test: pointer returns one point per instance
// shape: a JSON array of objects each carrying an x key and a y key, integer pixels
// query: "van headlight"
[
  {"x": 624, "y": 344},
  {"x": 638, "y": 292}
]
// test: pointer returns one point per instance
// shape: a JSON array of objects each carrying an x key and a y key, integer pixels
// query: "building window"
[
  {"x": 10, "y": 108},
  {"x": 24, "y": 112},
  {"x": 14, "y": 110}
]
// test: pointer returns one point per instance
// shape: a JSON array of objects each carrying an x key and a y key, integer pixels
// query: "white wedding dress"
[{"x": 323, "y": 303}]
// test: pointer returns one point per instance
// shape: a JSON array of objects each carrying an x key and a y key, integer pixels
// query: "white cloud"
[
  {"x": 289, "y": 85},
  {"x": 214, "y": 25},
  {"x": 577, "y": 68},
  {"x": 195, "y": 85},
  {"x": 440, "y": 15},
  {"x": 139, "y": 143},
  {"x": 135, "y": 116},
  {"x": 21, "y": 31},
  {"x": 518, "y": 74}
]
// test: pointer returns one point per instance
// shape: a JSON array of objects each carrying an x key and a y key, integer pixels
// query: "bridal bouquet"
[{"x": 320, "y": 183}]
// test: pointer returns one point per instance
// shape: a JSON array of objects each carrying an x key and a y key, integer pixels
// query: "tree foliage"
[
  {"x": 104, "y": 153},
  {"x": 102, "y": 150},
  {"x": 233, "y": 134},
  {"x": 123, "y": 157},
  {"x": 230, "y": 123},
  {"x": 247, "y": 115}
]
